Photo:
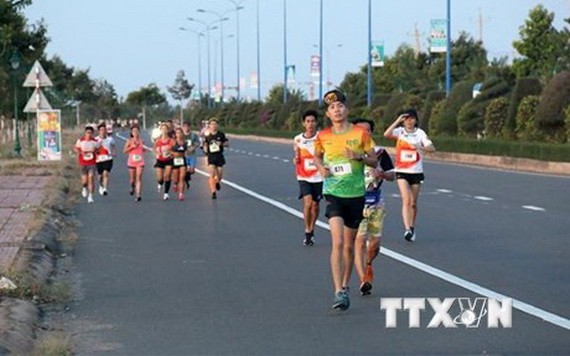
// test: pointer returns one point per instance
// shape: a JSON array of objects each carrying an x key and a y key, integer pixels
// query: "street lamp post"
[
  {"x": 285, "y": 67},
  {"x": 199, "y": 36},
  {"x": 237, "y": 8},
  {"x": 15, "y": 63},
  {"x": 369, "y": 74},
  {"x": 448, "y": 52},
  {"x": 208, "y": 28},
  {"x": 221, "y": 19},
  {"x": 321, "y": 55},
  {"x": 258, "y": 57}
]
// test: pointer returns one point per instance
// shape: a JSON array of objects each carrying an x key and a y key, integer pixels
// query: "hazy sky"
[{"x": 132, "y": 43}]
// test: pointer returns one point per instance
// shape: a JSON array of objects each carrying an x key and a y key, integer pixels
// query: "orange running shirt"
[{"x": 306, "y": 169}]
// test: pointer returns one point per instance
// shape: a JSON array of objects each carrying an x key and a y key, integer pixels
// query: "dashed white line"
[
  {"x": 445, "y": 191},
  {"x": 286, "y": 160},
  {"x": 250, "y": 153},
  {"x": 480, "y": 197},
  {"x": 265, "y": 156},
  {"x": 275, "y": 157},
  {"x": 533, "y": 208}
]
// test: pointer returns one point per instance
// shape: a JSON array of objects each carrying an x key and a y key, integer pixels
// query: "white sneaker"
[
  {"x": 159, "y": 187},
  {"x": 165, "y": 196},
  {"x": 90, "y": 199},
  {"x": 84, "y": 192},
  {"x": 101, "y": 190}
]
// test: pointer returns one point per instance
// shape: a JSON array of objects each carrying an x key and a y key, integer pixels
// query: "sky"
[{"x": 132, "y": 43}]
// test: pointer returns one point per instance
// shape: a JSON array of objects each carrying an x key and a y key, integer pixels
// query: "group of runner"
[
  {"x": 343, "y": 164},
  {"x": 175, "y": 149}
]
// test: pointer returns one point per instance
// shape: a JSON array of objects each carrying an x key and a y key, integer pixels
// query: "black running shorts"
[
  {"x": 349, "y": 209},
  {"x": 315, "y": 190},
  {"x": 411, "y": 178}
]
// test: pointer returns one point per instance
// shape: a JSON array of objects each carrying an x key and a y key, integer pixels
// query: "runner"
[
  {"x": 214, "y": 144},
  {"x": 340, "y": 153},
  {"x": 410, "y": 142},
  {"x": 85, "y": 147},
  {"x": 105, "y": 154},
  {"x": 135, "y": 148},
  {"x": 179, "y": 162},
  {"x": 164, "y": 160},
  {"x": 193, "y": 142},
  {"x": 310, "y": 181},
  {"x": 370, "y": 229}
]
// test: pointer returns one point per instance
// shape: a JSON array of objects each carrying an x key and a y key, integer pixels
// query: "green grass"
[{"x": 493, "y": 147}]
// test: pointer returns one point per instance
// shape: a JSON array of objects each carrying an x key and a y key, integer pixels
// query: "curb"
[
  {"x": 504, "y": 163},
  {"x": 19, "y": 317}
]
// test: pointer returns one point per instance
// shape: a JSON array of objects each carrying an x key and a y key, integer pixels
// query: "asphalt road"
[{"x": 231, "y": 276}]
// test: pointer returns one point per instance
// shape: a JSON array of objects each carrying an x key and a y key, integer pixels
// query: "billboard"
[{"x": 49, "y": 135}]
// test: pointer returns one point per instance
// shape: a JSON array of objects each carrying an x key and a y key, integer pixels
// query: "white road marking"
[
  {"x": 250, "y": 153},
  {"x": 480, "y": 197},
  {"x": 533, "y": 208},
  {"x": 257, "y": 155},
  {"x": 286, "y": 160},
  {"x": 445, "y": 191},
  {"x": 275, "y": 157},
  {"x": 448, "y": 277},
  {"x": 265, "y": 156}
]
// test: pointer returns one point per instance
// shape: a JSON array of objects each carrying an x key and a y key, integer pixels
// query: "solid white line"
[
  {"x": 534, "y": 208},
  {"x": 448, "y": 277},
  {"x": 479, "y": 197}
]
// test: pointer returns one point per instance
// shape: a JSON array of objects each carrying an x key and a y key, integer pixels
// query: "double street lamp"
[
  {"x": 208, "y": 28},
  {"x": 15, "y": 63},
  {"x": 238, "y": 81},
  {"x": 199, "y": 35},
  {"x": 221, "y": 19}
]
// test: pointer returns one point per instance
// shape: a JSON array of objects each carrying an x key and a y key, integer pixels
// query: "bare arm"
[{"x": 388, "y": 133}]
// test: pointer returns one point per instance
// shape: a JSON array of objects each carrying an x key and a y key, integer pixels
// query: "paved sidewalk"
[{"x": 19, "y": 196}]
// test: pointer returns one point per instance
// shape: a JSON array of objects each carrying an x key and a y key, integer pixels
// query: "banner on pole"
[
  {"x": 49, "y": 135},
  {"x": 315, "y": 66},
  {"x": 291, "y": 69},
  {"x": 438, "y": 36},
  {"x": 377, "y": 54},
  {"x": 253, "y": 81}
]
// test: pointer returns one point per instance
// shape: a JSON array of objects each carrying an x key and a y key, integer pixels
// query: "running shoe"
[
  {"x": 101, "y": 190},
  {"x": 309, "y": 239},
  {"x": 159, "y": 188},
  {"x": 180, "y": 196},
  {"x": 218, "y": 186},
  {"x": 105, "y": 191},
  {"x": 165, "y": 196},
  {"x": 90, "y": 199},
  {"x": 365, "y": 288},
  {"x": 214, "y": 196},
  {"x": 132, "y": 190},
  {"x": 84, "y": 192},
  {"x": 341, "y": 300},
  {"x": 137, "y": 199},
  {"x": 409, "y": 236}
]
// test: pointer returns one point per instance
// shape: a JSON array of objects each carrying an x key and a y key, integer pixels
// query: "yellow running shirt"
[{"x": 347, "y": 176}]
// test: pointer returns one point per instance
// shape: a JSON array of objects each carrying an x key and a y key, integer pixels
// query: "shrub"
[
  {"x": 470, "y": 118},
  {"x": 432, "y": 98},
  {"x": 495, "y": 116},
  {"x": 525, "y": 128},
  {"x": 435, "y": 112},
  {"x": 524, "y": 87},
  {"x": 447, "y": 119},
  {"x": 550, "y": 117}
]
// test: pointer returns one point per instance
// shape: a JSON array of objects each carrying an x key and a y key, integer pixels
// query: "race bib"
[
  {"x": 178, "y": 161},
  {"x": 214, "y": 147},
  {"x": 88, "y": 156},
  {"x": 341, "y": 169},
  {"x": 137, "y": 158},
  {"x": 103, "y": 158},
  {"x": 407, "y": 156},
  {"x": 309, "y": 165}
]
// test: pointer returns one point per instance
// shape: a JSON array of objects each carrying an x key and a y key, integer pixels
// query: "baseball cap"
[
  {"x": 410, "y": 112},
  {"x": 334, "y": 95}
]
